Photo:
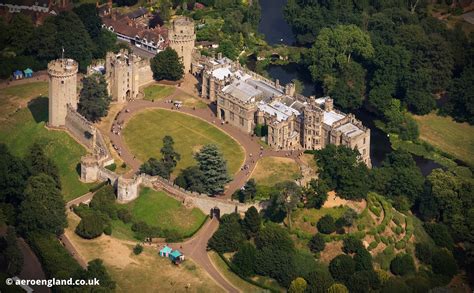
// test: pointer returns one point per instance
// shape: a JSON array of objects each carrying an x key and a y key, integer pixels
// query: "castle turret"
[
  {"x": 290, "y": 89},
  {"x": 328, "y": 104},
  {"x": 182, "y": 38},
  {"x": 62, "y": 90}
]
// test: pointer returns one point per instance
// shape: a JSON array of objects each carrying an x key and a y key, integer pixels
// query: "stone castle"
[
  {"x": 182, "y": 39},
  {"x": 295, "y": 122}
]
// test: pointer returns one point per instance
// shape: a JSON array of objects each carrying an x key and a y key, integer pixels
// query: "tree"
[
  {"x": 12, "y": 253},
  {"x": 402, "y": 265},
  {"x": 363, "y": 281},
  {"x": 440, "y": 234},
  {"x": 326, "y": 225},
  {"x": 89, "y": 16},
  {"x": 214, "y": 168},
  {"x": 43, "y": 42},
  {"x": 165, "y": 166},
  {"x": 94, "y": 98},
  {"x": 244, "y": 259},
  {"x": 342, "y": 267},
  {"x": 192, "y": 179},
  {"x": 229, "y": 236},
  {"x": 276, "y": 263},
  {"x": 248, "y": 192},
  {"x": 228, "y": 49},
  {"x": 316, "y": 193},
  {"x": 298, "y": 285},
  {"x": 363, "y": 260},
  {"x": 352, "y": 244},
  {"x": 338, "y": 288},
  {"x": 348, "y": 91},
  {"x": 317, "y": 243},
  {"x": 347, "y": 219},
  {"x": 39, "y": 163},
  {"x": 424, "y": 252},
  {"x": 251, "y": 222},
  {"x": 104, "y": 201},
  {"x": 91, "y": 226},
  {"x": 166, "y": 65},
  {"x": 13, "y": 176},
  {"x": 19, "y": 41},
  {"x": 73, "y": 37},
  {"x": 319, "y": 281},
  {"x": 461, "y": 97},
  {"x": 96, "y": 269},
  {"x": 284, "y": 200},
  {"x": 43, "y": 207},
  {"x": 137, "y": 249},
  {"x": 443, "y": 263},
  {"x": 274, "y": 237},
  {"x": 335, "y": 47}
]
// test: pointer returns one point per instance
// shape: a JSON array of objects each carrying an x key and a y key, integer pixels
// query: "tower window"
[{"x": 62, "y": 81}]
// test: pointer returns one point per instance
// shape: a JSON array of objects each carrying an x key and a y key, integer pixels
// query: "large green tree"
[
  {"x": 13, "y": 176},
  {"x": 229, "y": 236},
  {"x": 252, "y": 222},
  {"x": 165, "y": 166},
  {"x": 94, "y": 98},
  {"x": 43, "y": 206},
  {"x": 39, "y": 163},
  {"x": 166, "y": 65},
  {"x": 244, "y": 259},
  {"x": 214, "y": 169}
]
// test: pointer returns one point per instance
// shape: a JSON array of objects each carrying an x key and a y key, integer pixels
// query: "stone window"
[
  {"x": 241, "y": 121},
  {"x": 232, "y": 116},
  {"x": 364, "y": 142}
]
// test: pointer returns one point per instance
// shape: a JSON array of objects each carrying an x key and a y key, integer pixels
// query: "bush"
[
  {"x": 90, "y": 226},
  {"x": 172, "y": 236},
  {"x": 108, "y": 230},
  {"x": 351, "y": 245},
  {"x": 402, "y": 265},
  {"x": 400, "y": 245},
  {"x": 326, "y": 225},
  {"x": 363, "y": 260},
  {"x": 342, "y": 267},
  {"x": 372, "y": 245},
  {"x": 338, "y": 288},
  {"x": 111, "y": 167},
  {"x": 440, "y": 234},
  {"x": 443, "y": 263},
  {"x": 384, "y": 240},
  {"x": 317, "y": 243},
  {"x": 137, "y": 249},
  {"x": 124, "y": 215},
  {"x": 423, "y": 252},
  {"x": 244, "y": 259}
]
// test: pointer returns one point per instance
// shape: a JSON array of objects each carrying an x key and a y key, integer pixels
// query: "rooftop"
[
  {"x": 350, "y": 130},
  {"x": 331, "y": 117},
  {"x": 221, "y": 73},
  {"x": 242, "y": 91}
]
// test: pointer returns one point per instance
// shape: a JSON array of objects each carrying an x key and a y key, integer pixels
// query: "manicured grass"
[
  {"x": 306, "y": 219},
  {"x": 234, "y": 279},
  {"x": 144, "y": 134},
  {"x": 26, "y": 126},
  {"x": 158, "y": 209},
  {"x": 190, "y": 101},
  {"x": 158, "y": 92},
  {"x": 449, "y": 136},
  {"x": 271, "y": 170},
  {"x": 11, "y": 98}
]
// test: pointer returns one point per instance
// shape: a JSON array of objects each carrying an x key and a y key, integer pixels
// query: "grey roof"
[
  {"x": 242, "y": 91},
  {"x": 137, "y": 13}
]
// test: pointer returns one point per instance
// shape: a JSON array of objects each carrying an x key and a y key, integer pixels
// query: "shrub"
[
  {"x": 137, "y": 249},
  {"x": 377, "y": 238},
  {"x": 172, "y": 236},
  {"x": 342, "y": 267},
  {"x": 124, "y": 215},
  {"x": 317, "y": 243},
  {"x": 111, "y": 167},
  {"x": 124, "y": 165},
  {"x": 372, "y": 245},
  {"x": 363, "y": 260},
  {"x": 423, "y": 252},
  {"x": 244, "y": 259},
  {"x": 326, "y": 225},
  {"x": 440, "y": 234},
  {"x": 363, "y": 281},
  {"x": 90, "y": 226},
  {"x": 351, "y": 245},
  {"x": 444, "y": 263},
  {"x": 376, "y": 211},
  {"x": 402, "y": 265},
  {"x": 384, "y": 240},
  {"x": 337, "y": 288},
  {"x": 360, "y": 227},
  {"x": 400, "y": 245},
  {"x": 108, "y": 230}
]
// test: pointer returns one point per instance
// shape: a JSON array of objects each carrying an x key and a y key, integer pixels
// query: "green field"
[
  {"x": 271, "y": 170},
  {"x": 158, "y": 92},
  {"x": 158, "y": 209},
  {"x": 144, "y": 134},
  {"x": 11, "y": 98},
  {"x": 449, "y": 136},
  {"x": 26, "y": 126}
]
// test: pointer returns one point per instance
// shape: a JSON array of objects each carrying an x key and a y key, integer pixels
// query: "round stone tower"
[
  {"x": 182, "y": 37},
  {"x": 62, "y": 90}
]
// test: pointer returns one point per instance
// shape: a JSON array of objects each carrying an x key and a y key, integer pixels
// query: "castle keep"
[
  {"x": 181, "y": 39},
  {"x": 246, "y": 99}
]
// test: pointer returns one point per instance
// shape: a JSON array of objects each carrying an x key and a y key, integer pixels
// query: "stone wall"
[
  {"x": 145, "y": 75},
  {"x": 80, "y": 128}
]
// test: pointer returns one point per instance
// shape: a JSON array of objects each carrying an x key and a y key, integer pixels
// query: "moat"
[{"x": 277, "y": 31}]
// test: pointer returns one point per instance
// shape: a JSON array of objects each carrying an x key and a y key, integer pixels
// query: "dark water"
[
  {"x": 286, "y": 73},
  {"x": 273, "y": 24}
]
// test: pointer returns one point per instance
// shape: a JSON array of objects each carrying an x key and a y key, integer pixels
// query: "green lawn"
[
  {"x": 271, "y": 170},
  {"x": 15, "y": 96},
  {"x": 158, "y": 209},
  {"x": 306, "y": 219},
  {"x": 144, "y": 134},
  {"x": 448, "y": 135},
  {"x": 27, "y": 126},
  {"x": 158, "y": 92}
]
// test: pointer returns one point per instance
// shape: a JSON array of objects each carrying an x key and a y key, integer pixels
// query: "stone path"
[{"x": 248, "y": 142}]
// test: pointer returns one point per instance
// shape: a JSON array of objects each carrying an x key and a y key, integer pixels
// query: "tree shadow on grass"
[
  {"x": 39, "y": 109},
  {"x": 78, "y": 169}
]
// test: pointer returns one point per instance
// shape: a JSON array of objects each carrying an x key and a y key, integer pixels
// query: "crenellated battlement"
[{"x": 62, "y": 67}]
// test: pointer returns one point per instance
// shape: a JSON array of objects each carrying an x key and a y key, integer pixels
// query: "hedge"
[
  {"x": 400, "y": 245},
  {"x": 372, "y": 245}
]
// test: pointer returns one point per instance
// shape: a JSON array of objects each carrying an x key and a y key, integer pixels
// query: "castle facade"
[{"x": 295, "y": 122}]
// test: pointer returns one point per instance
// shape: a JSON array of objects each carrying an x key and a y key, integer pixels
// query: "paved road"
[
  {"x": 32, "y": 269},
  {"x": 248, "y": 142}
]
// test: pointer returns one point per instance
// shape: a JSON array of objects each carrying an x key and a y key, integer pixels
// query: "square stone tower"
[
  {"x": 122, "y": 75},
  {"x": 62, "y": 90},
  {"x": 182, "y": 38}
]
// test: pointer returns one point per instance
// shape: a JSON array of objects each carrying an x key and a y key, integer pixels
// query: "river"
[{"x": 277, "y": 31}]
